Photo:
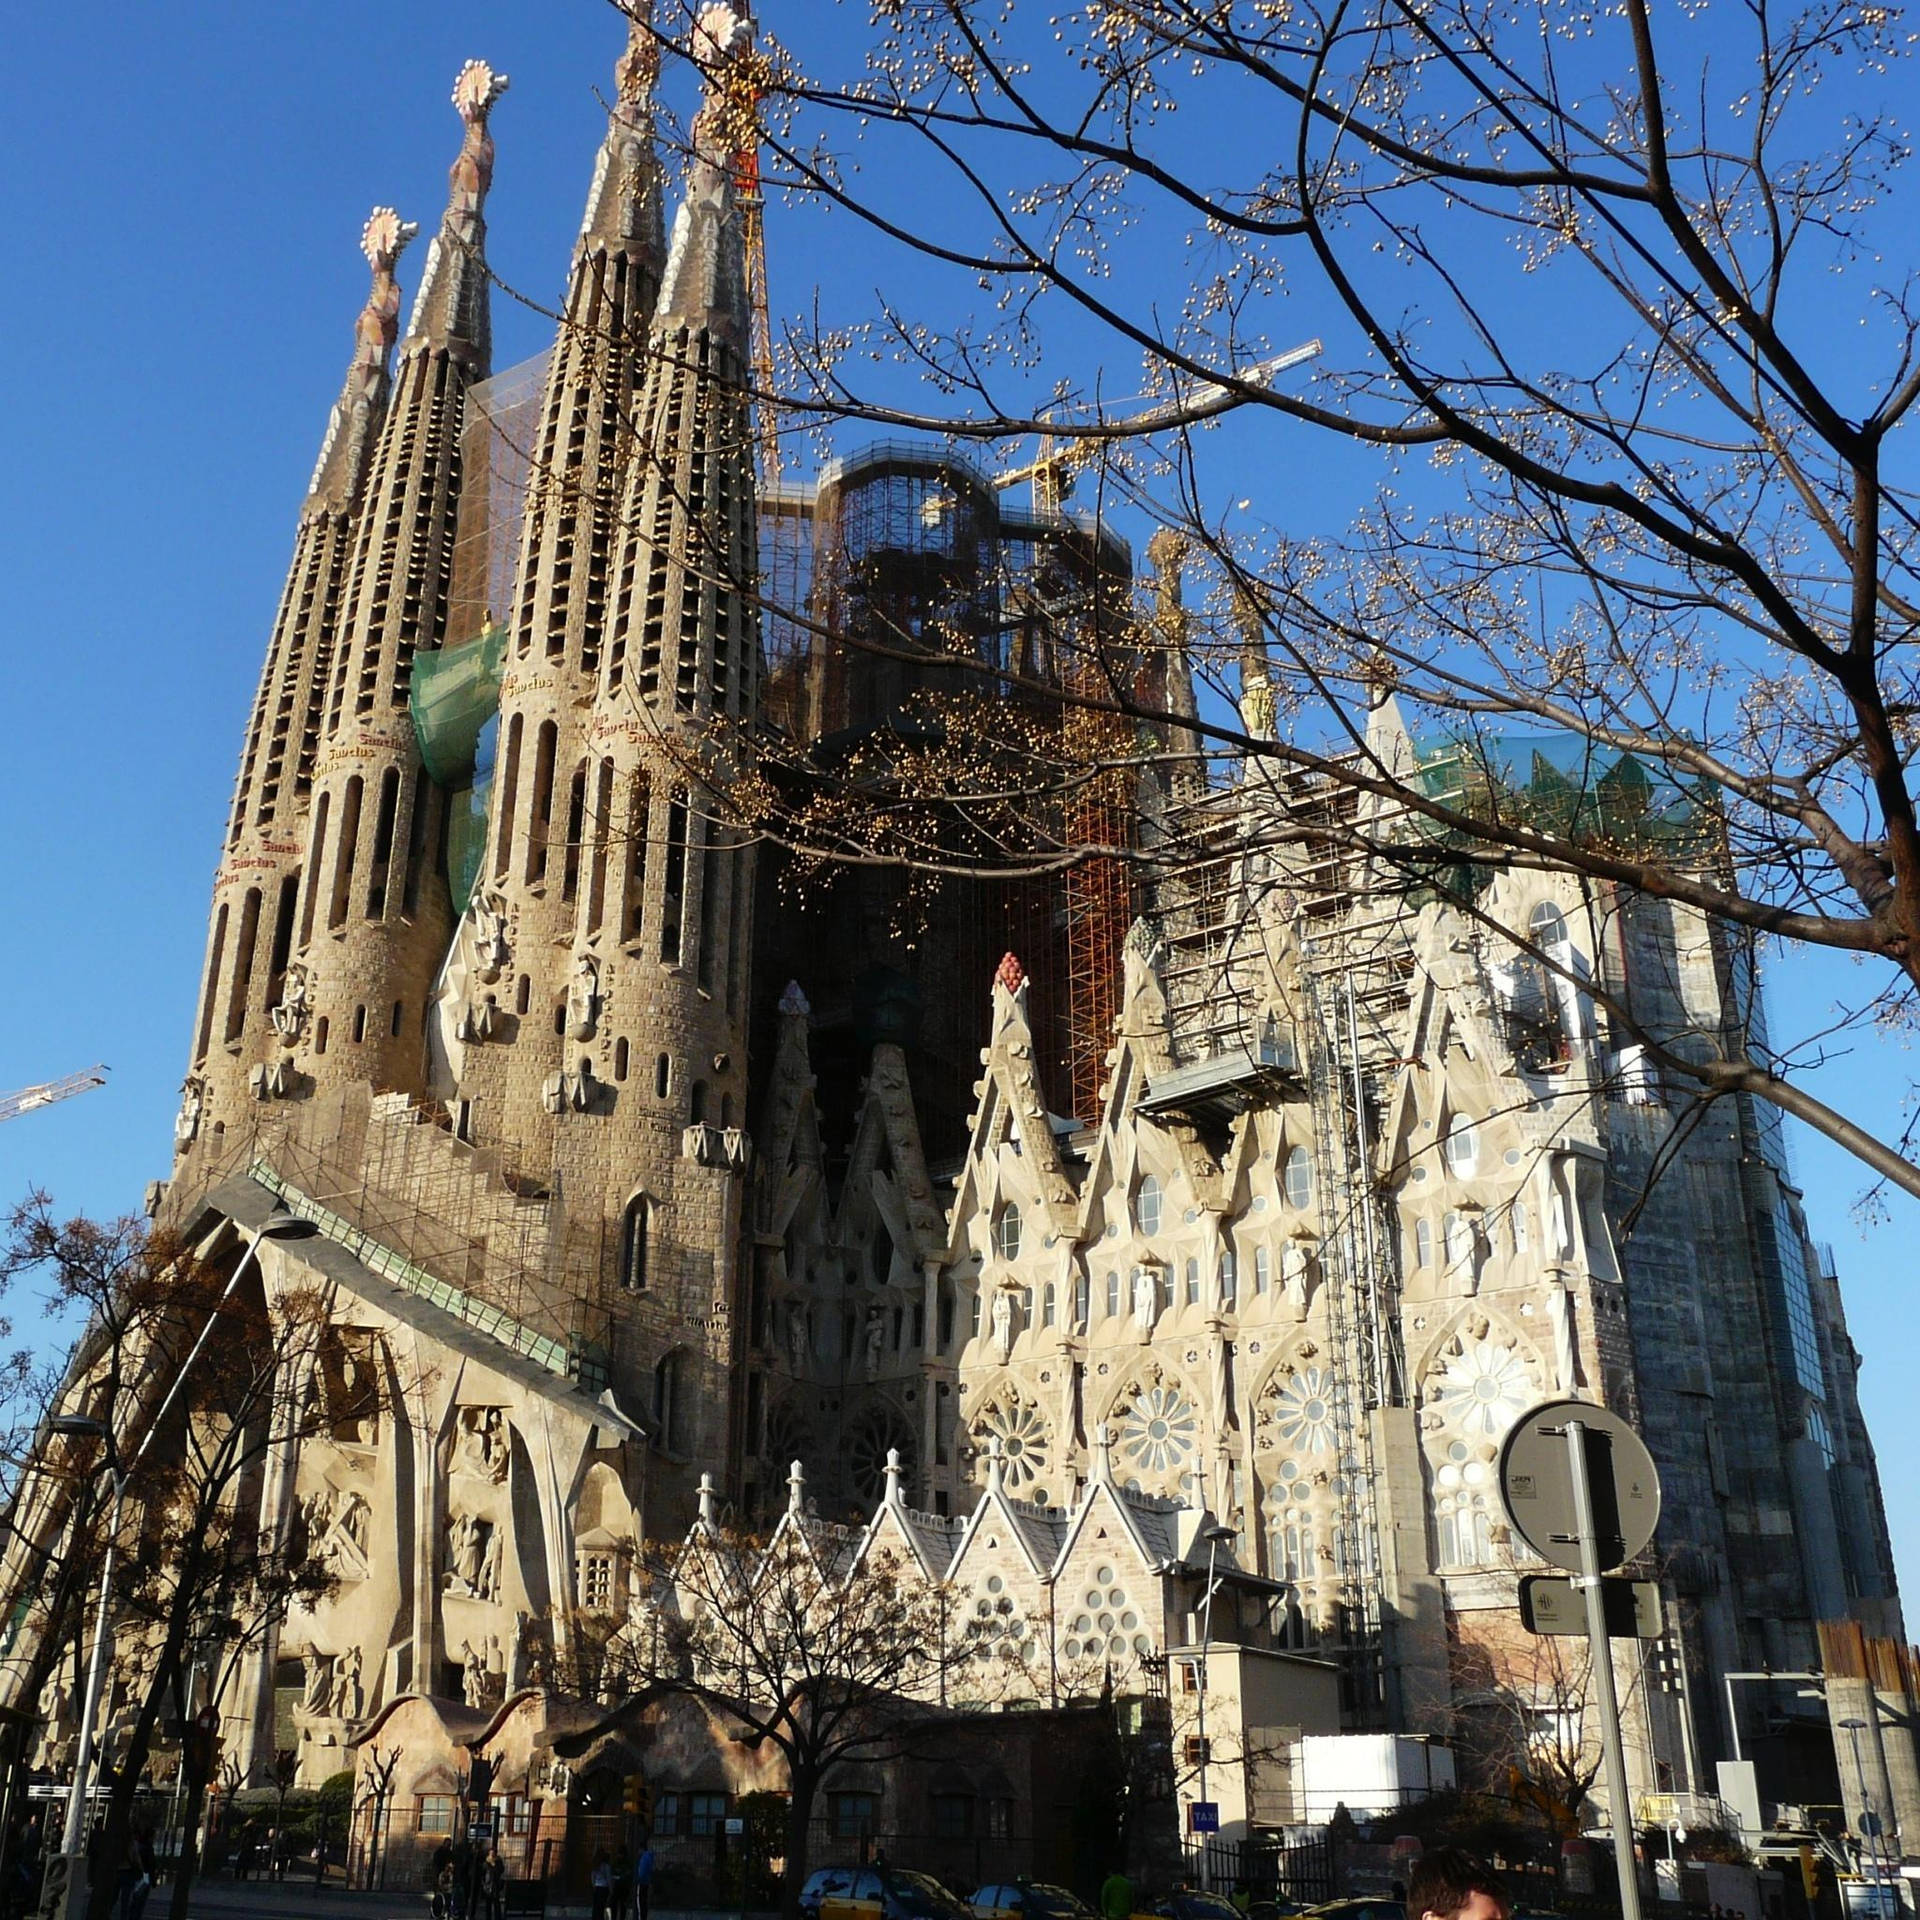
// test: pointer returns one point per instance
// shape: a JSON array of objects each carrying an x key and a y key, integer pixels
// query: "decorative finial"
[
  {"x": 1103, "y": 1452},
  {"x": 894, "y": 1474},
  {"x": 1010, "y": 973},
  {"x": 475, "y": 91},
  {"x": 707, "y": 1500},
  {"x": 385, "y": 238},
  {"x": 796, "y": 1490},
  {"x": 996, "y": 1463},
  {"x": 474, "y": 94},
  {"x": 794, "y": 1003}
]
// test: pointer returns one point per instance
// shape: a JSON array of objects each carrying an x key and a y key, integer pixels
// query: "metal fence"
[{"x": 1266, "y": 1866}]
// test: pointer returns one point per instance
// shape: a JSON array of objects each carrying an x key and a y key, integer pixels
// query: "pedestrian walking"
[
  {"x": 1116, "y": 1896},
  {"x": 602, "y": 1886},
  {"x": 494, "y": 1886},
  {"x": 643, "y": 1883}
]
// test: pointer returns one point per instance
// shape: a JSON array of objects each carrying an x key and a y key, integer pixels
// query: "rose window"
[
  {"x": 1107, "y": 1625},
  {"x": 1022, "y": 1432},
  {"x": 1484, "y": 1389},
  {"x": 1159, "y": 1430},
  {"x": 1303, "y": 1411}
]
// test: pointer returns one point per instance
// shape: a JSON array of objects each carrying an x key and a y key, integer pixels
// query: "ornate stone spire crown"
[
  {"x": 705, "y": 284},
  {"x": 624, "y": 210},
  {"x": 343, "y": 454},
  {"x": 452, "y": 307}
]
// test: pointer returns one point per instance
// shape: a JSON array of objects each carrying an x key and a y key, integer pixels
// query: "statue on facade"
[
  {"x": 349, "y": 1697},
  {"x": 583, "y": 997},
  {"x": 359, "y": 1422},
  {"x": 483, "y": 1442},
  {"x": 517, "y": 1660},
  {"x": 1001, "y": 1316},
  {"x": 1146, "y": 1301},
  {"x": 1296, "y": 1274},
  {"x": 296, "y": 1002},
  {"x": 193, "y": 1102},
  {"x": 798, "y": 1343},
  {"x": 491, "y": 953},
  {"x": 466, "y": 1548},
  {"x": 352, "y": 1524},
  {"x": 876, "y": 1341},
  {"x": 478, "y": 1022},
  {"x": 487, "y": 1583},
  {"x": 318, "y": 1671}
]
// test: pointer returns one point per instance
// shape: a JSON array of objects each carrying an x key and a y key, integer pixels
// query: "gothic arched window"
[
  {"x": 636, "y": 1228},
  {"x": 1461, "y": 1150},
  {"x": 1146, "y": 1206},
  {"x": 1299, "y": 1179},
  {"x": 670, "y": 1403},
  {"x": 1006, "y": 1232}
]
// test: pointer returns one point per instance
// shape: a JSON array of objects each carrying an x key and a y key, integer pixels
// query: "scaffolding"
[{"x": 497, "y": 442}]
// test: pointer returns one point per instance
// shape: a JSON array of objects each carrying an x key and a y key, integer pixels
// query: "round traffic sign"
[{"x": 1536, "y": 1484}]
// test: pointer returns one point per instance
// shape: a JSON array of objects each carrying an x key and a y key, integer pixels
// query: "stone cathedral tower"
[{"x": 523, "y": 1071}]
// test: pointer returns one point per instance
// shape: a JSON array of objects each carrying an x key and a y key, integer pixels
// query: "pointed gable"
[{"x": 1011, "y": 1110}]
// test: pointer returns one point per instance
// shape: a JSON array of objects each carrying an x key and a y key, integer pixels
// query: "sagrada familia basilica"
[{"x": 1072, "y": 1232}]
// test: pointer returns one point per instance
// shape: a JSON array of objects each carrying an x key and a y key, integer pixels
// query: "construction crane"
[
  {"x": 29, "y": 1099},
  {"x": 1052, "y": 472}
]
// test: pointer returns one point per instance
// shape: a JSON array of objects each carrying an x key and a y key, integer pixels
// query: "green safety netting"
[
  {"x": 455, "y": 700},
  {"x": 455, "y": 693}
]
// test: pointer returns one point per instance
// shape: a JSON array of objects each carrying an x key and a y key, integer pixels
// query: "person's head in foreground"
[{"x": 1451, "y": 1884}]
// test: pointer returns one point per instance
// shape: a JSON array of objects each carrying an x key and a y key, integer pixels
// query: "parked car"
[
  {"x": 1190, "y": 1903},
  {"x": 877, "y": 1893},
  {"x": 1032, "y": 1898},
  {"x": 1364, "y": 1909}
]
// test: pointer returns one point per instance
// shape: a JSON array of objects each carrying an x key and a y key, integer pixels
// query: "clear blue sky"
[{"x": 187, "y": 185}]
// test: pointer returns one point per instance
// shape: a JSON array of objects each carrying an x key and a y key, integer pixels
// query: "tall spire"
[
  {"x": 624, "y": 212},
  {"x": 239, "y": 1034},
  {"x": 569, "y": 542},
  {"x": 453, "y": 310},
  {"x": 706, "y": 278},
  {"x": 342, "y": 466},
  {"x": 1187, "y": 773},
  {"x": 1257, "y": 709},
  {"x": 374, "y": 909}
]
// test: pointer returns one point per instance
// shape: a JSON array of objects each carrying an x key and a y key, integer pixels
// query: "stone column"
[
  {"x": 931, "y": 1359},
  {"x": 254, "y": 1689}
]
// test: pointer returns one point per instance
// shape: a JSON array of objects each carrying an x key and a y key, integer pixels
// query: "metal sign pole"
[{"x": 1620, "y": 1808}]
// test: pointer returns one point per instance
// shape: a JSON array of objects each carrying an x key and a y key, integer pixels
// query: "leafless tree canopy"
[{"x": 1618, "y": 362}]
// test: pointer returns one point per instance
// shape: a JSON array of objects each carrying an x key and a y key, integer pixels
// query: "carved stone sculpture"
[
  {"x": 296, "y": 1002},
  {"x": 491, "y": 953},
  {"x": 483, "y": 1442},
  {"x": 319, "y": 1682},
  {"x": 1001, "y": 1314},
  {"x": 1146, "y": 1301},
  {"x": 1296, "y": 1274},
  {"x": 193, "y": 1101},
  {"x": 349, "y": 1697},
  {"x": 583, "y": 998}
]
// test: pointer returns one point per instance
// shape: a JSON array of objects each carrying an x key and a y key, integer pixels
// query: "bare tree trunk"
[{"x": 805, "y": 1785}]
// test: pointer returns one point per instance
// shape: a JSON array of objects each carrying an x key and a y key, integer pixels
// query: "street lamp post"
[
  {"x": 1214, "y": 1536},
  {"x": 1870, "y": 1819},
  {"x": 279, "y": 1225}
]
